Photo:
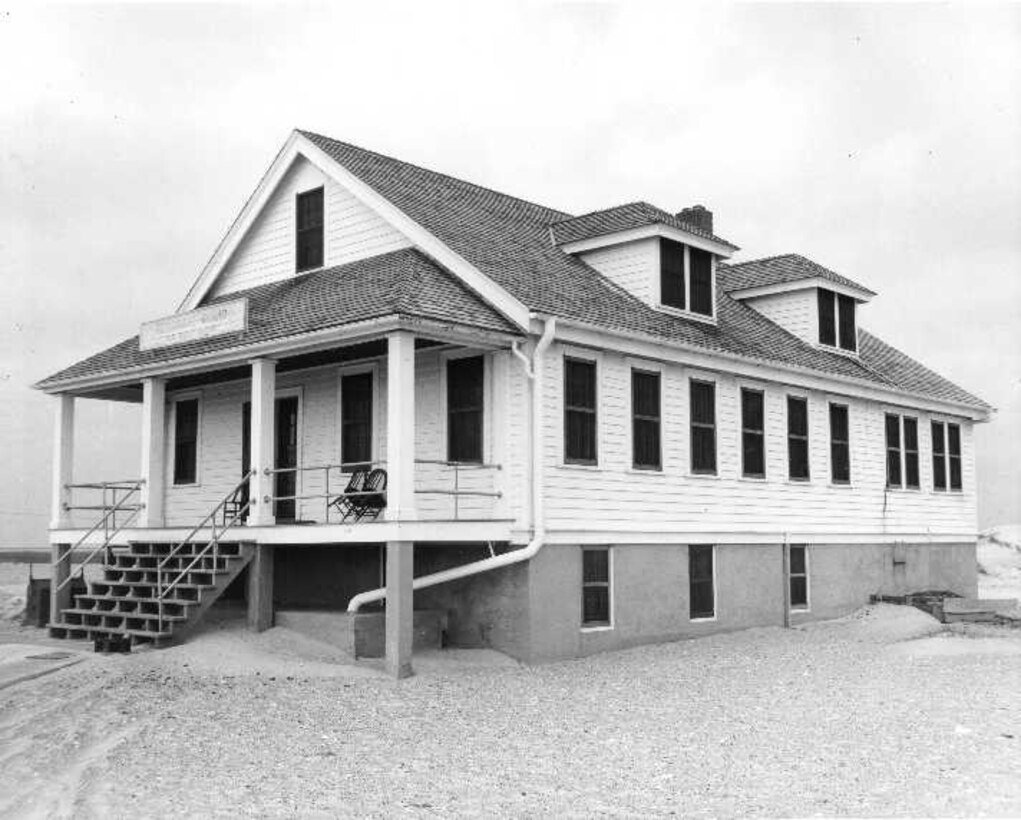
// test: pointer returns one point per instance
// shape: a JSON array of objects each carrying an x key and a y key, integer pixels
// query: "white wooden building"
[{"x": 595, "y": 430}]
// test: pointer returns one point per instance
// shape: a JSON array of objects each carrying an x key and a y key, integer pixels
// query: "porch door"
[{"x": 286, "y": 456}]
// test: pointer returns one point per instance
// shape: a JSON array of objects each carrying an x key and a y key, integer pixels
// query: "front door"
[{"x": 286, "y": 457}]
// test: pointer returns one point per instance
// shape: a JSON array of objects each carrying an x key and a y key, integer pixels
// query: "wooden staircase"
[{"x": 127, "y": 602}]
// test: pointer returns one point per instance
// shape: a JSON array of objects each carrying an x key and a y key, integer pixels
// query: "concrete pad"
[{"x": 24, "y": 662}]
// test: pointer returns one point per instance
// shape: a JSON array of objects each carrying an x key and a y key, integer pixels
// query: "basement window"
[
  {"x": 186, "y": 440},
  {"x": 946, "y": 456},
  {"x": 701, "y": 582},
  {"x": 798, "y": 575},
  {"x": 309, "y": 234},
  {"x": 686, "y": 278},
  {"x": 595, "y": 587},
  {"x": 837, "y": 327}
]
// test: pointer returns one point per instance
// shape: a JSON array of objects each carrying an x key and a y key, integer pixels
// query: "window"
[
  {"x": 595, "y": 586},
  {"x": 901, "y": 451},
  {"x": 837, "y": 320},
  {"x": 753, "y": 437},
  {"x": 946, "y": 455},
  {"x": 798, "y": 576},
  {"x": 645, "y": 420},
  {"x": 579, "y": 411},
  {"x": 465, "y": 391},
  {"x": 797, "y": 438},
  {"x": 686, "y": 277},
  {"x": 840, "y": 445},
  {"x": 703, "y": 427},
  {"x": 310, "y": 230},
  {"x": 186, "y": 440},
  {"x": 701, "y": 582},
  {"x": 356, "y": 421},
  {"x": 671, "y": 272}
]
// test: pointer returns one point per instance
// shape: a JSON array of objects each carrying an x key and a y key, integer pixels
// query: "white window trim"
[
  {"x": 596, "y": 357},
  {"x": 647, "y": 367},
  {"x": 716, "y": 588},
  {"x": 753, "y": 387},
  {"x": 294, "y": 230},
  {"x": 357, "y": 370},
  {"x": 796, "y": 394},
  {"x": 846, "y": 404},
  {"x": 172, "y": 439},
  {"x": 610, "y": 587},
  {"x": 686, "y": 312},
  {"x": 487, "y": 393},
  {"x": 799, "y": 610},
  {"x": 903, "y": 486},
  {"x": 945, "y": 420},
  {"x": 713, "y": 379},
  {"x": 299, "y": 393},
  {"x": 836, "y": 348}
]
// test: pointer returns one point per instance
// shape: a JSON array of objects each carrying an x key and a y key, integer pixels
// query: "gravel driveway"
[{"x": 862, "y": 716}]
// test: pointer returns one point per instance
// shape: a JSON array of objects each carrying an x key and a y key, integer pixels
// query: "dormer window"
[
  {"x": 686, "y": 277},
  {"x": 836, "y": 320},
  {"x": 309, "y": 233}
]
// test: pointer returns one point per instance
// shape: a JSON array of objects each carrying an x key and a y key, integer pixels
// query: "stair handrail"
[
  {"x": 131, "y": 487},
  {"x": 214, "y": 541}
]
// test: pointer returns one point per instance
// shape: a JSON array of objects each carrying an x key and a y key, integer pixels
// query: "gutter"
[{"x": 534, "y": 370}]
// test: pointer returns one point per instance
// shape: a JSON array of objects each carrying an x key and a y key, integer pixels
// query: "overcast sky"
[{"x": 883, "y": 141}]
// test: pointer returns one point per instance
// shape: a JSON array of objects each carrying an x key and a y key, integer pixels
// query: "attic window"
[
  {"x": 685, "y": 278},
  {"x": 309, "y": 232},
  {"x": 837, "y": 321}
]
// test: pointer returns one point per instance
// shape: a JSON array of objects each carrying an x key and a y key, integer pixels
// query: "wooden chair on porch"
[{"x": 364, "y": 496}]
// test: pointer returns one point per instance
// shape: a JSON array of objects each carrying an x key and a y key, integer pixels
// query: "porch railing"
[
  {"x": 334, "y": 487},
  {"x": 110, "y": 505}
]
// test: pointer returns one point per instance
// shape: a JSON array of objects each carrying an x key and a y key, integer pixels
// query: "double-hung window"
[
  {"x": 946, "y": 456},
  {"x": 703, "y": 427},
  {"x": 580, "y": 422},
  {"x": 797, "y": 438},
  {"x": 645, "y": 420},
  {"x": 753, "y": 436},
  {"x": 356, "y": 421},
  {"x": 901, "y": 451},
  {"x": 685, "y": 277},
  {"x": 595, "y": 586},
  {"x": 186, "y": 439},
  {"x": 309, "y": 233},
  {"x": 840, "y": 445},
  {"x": 465, "y": 391},
  {"x": 798, "y": 576},
  {"x": 837, "y": 320},
  {"x": 701, "y": 581}
]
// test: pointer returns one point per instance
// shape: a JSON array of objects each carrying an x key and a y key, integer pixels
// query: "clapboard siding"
[
  {"x": 266, "y": 253},
  {"x": 632, "y": 265},
  {"x": 796, "y": 311},
  {"x": 614, "y": 496},
  {"x": 219, "y": 468}
]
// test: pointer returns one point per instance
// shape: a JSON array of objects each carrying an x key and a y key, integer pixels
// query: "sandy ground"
[{"x": 999, "y": 562}]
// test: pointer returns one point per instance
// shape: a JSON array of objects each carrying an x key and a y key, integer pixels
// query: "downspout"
[{"x": 534, "y": 370}]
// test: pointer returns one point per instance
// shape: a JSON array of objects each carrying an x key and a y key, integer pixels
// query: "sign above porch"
[{"x": 215, "y": 320}]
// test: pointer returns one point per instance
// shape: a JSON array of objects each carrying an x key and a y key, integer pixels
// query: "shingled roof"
[
  {"x": 623, "y": 218},
  {"x": 509, "y": 240},
  {"x": 777, "y": 270},
  {"x": 401, "y": 283}
]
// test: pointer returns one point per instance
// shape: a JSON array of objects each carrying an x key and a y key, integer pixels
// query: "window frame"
[
  {"x": 791, "y": 575},
  {"x": 702, "y": 618},
  {"x": 903, "y": 454},
  {"x": 598, "y": 626},
  {"x": 445, "y": 411},
  {"x": 945, "y": 454},
  {"x": 358, "y": 370},
  {"x": 175, "y": 401},
  {"x": 789, "y": 397},
  {"x": 298, "y": 231},
  {"x": 834, "y": 443},
  {"x": 573, "y": 356},
  {"x": 692, "y": 424},
  {"x": 746, "y": 431},
  {"x": 657, "y": 373},
  {"x": 836, "y": 299},
  {"x": 687, "y": 268}
]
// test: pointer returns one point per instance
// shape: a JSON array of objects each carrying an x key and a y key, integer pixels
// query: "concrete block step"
[
  {"x": 967, "y": 606},
  {"x": 81, "y": 633}
]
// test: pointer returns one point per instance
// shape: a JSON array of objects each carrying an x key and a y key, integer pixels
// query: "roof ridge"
[
  {"x": 459, "y": 180},
  {"x": 606, "y": 211},
  {"x": 762, "y": 259}
]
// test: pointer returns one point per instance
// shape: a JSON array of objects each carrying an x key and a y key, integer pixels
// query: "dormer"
[
  {"x": 812, "y": 302},
  {"x": 666, "y": 260}
]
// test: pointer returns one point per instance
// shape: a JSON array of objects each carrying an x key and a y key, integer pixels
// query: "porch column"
[
  {"x": 400, "y": 600},
  {"x": 264, "y": 381},
  {"x": 154, "y": 406},
  {"x": 400, "y": 426},
  {"x": 63, "y": 461},
  {"x": 60, "y": 557},
  {"x": 260, "y": 588}
]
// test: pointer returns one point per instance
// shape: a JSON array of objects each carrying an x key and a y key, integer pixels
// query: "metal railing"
[
  {"x": 110, "y": 506},
  {"x": 344, "y": 471},
  {"x": 241, "y": 504}
]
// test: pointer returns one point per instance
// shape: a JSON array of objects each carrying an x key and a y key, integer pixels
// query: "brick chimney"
[{"x": 699, "y": 216}]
